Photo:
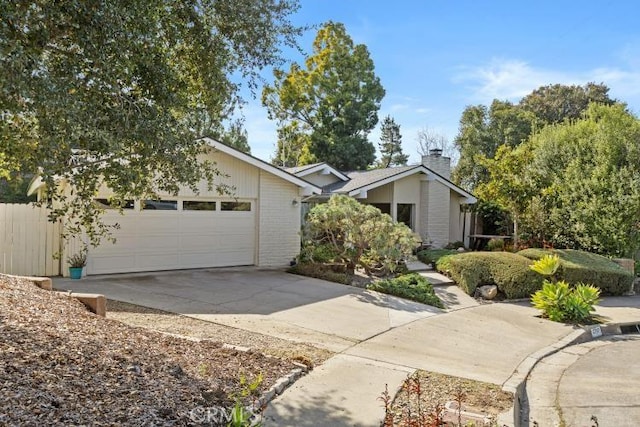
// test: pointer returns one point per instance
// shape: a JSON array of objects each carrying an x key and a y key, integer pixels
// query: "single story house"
[
  {"x": 421, "y": 196},
  {"x": 258, "y": 225}
]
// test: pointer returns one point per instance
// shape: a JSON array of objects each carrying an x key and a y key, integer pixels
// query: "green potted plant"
[{"x": 76, "y": 264}]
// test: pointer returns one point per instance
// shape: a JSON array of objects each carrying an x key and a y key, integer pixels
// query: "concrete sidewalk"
[{"x": 485, "y": 343}]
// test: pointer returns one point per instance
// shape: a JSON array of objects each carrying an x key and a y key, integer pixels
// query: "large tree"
[
  {"x": 483, "y": 129},
  {"x": 390, "y": 144},
  {"x": 556, "y": 103},
  {"x": 580, "y": 180},
  {"x": 329, "y": 105},
  {"x": 117, "y": 91}
]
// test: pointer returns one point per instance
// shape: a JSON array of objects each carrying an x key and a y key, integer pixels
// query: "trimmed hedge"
[
  {"x": 410, "y": 286},
  {"x": 429, "y": 256},
  {"x": 510, "y": 272},
  {"x": 585, "y": 267}
]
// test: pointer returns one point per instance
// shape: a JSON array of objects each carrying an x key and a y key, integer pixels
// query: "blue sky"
[{"x": 436, "y": 57}]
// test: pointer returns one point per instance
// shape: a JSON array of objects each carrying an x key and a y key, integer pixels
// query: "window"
[
  {"x": 165, "y": 205},
  {"x": 235, "y": 206},
  {"x": 404, "y": 214},
  {"x": 384, "y": 207},
  {"x": 192, "y": 205},
  {"x": 106, "y": 204}
]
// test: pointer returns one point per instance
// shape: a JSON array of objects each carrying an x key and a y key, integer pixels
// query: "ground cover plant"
[
  {"x": 410, "y": 286},
  {"x": 584, "y": 267}
]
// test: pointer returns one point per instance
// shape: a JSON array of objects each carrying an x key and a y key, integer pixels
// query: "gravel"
[{"x": 62, "y": 365}]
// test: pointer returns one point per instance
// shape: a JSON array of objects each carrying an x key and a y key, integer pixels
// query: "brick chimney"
[{"x": 438, "y": 163}]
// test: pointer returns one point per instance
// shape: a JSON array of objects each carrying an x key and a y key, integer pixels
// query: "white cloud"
[{"x": 512, "y": 79}]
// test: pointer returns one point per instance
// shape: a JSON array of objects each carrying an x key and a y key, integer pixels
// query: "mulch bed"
[
  {"x": 425, "y": 394},
  {"x": 61, "y": 365}
]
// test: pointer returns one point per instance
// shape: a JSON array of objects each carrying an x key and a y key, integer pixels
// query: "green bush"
[
  {"x": 560, "y": 303},
  {"x": 510, "y": 272},
  {"x": 431, "y": 256},
  {"x": 320, "y": 271},
  {"x": 410, "y": 286},
  {"x": 455, "y": 245},
  {"x": 495, "y": 245},
  {"x": 584, "y": 267}
]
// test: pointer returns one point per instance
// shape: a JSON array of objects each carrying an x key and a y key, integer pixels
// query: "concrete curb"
[{"x": 517, "y": 382}]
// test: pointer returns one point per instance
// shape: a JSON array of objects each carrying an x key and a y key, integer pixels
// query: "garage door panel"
[{"x": 164, "y": 240}]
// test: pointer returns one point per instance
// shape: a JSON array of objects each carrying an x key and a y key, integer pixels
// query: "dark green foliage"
[
  {"x": 584, "y": 267},
  {"x": 320, "y": 271},
  {"x": 455, "y": 245},
  {"x": 327, "y": 106},
  {"x": 410, "y": 286},
  {"x": 510, "y": 272},
  {"x": 391, "y": 145},
  {"x": 495, "y": 245},
  {"x": 119, "y": 92},
  {"x": 431, "y": 256}
]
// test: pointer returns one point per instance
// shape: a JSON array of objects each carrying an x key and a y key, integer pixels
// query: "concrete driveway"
[{"x": 272, "y": 302}]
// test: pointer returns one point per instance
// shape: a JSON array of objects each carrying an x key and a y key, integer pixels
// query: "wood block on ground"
[
  {"x": 95, "y": 302},
  {"x": 42, "y": 282}
]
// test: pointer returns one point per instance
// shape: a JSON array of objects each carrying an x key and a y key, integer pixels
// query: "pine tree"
[{"x": 391, "y": 144}]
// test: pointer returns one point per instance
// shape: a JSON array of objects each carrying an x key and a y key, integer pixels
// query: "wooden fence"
[{"x": 28, "y": 241}]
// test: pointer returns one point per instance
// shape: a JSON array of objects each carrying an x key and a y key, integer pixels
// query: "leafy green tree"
[
  {"x": 556, "y": 103},
  {"x": 97, "y": 92},
  {"x": 235, "y": 135},
  {"x": 507, "y": 186},
  {"x": 575, "y": 184},
  {"x": 293, "y": 146},
  {"x": 483, "y": 129},
  {"x": 359, "y": 234},
  {"x": 333, "y": 99},
  {"x": 391, "y": 144}
]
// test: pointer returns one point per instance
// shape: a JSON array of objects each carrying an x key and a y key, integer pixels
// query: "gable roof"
[
  {"x": 308, "y": 188},
  {"x": 323, "y": 168},
  {"x": 362, "y": 181},
  {"x": 261, "y": 164}
]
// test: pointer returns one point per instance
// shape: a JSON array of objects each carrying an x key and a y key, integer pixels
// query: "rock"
[
  {"x": 460, "y": 249},
  {"x": 488, "y": 291}
]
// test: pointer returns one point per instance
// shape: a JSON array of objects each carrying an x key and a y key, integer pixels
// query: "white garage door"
[{"x": 169, "y": 235}]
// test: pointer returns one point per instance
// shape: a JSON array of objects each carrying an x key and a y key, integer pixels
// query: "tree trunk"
[{"x": 516, "y": 238}]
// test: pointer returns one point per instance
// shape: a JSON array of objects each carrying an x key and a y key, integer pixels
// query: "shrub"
[
  {"x": 321, "y": 253},
  {"x": 560, "y": 303},
  {"x": 584, "y": 267},
  {"x": 557, "y": 300},
  {"x": 510, "y": 272},
  {"x": 359, "y": 234},
  {"x": 320, "y": 271},
  {"x": 410, "y": 286},
  {"x": 431, "y": 256},
  {"x": 495, "y": 245},
  {"x": 455, "y": 245}
]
